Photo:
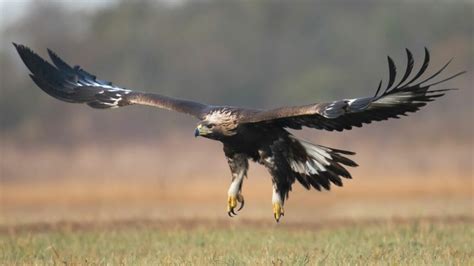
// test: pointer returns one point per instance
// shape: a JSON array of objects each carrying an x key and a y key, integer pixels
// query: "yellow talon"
[
  {"x": 231, "y": 203},
  {"x": 278, "y": 211}
]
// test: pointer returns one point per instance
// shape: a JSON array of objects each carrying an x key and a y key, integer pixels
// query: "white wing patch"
[
  {"x": 110, "y": 96},
  {"x": 397, "y": 98},
  {"x": 338, "y": 108}
]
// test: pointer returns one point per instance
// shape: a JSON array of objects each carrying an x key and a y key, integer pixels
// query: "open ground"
[{"x": 398, "y": 211}]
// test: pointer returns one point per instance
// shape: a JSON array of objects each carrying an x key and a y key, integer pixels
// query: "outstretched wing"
[
  {"x": 75, "y": 85},
  {"x": 394, "y": 101}
]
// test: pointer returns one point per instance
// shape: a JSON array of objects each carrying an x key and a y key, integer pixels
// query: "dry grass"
[
  {"x": 414, "y": 243},
  {"x": 133, "y": 205},
  {"x": 206, "y": 200},
  {"x": 97, "y": 182}
]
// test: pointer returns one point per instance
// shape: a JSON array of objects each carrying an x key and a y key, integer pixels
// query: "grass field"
[
  {"x": 418, "y": 242},
  {"x": 403, "y": 210}
]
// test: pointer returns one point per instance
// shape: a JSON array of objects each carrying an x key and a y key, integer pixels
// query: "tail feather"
[{"x": 319, "y": 166}]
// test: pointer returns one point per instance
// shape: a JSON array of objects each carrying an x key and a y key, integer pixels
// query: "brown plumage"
[{"x": 259, "y": 135}]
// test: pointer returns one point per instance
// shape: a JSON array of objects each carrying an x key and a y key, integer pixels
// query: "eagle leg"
[
  {"x": 238, "y": 164},
  {"x": 277, "y": 201}
]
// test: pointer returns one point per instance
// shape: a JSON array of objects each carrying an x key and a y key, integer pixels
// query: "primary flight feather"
[{"x": 259, "y": 135}]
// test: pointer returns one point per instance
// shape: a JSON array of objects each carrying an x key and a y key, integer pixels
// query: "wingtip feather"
[{"x": 392, "y": 72}]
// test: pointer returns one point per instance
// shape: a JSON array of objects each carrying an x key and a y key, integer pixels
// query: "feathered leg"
[
  {"x": 238, "y": 164},
  {"x": 277, "y": 201},
  {"x": 274, "y": 160}
]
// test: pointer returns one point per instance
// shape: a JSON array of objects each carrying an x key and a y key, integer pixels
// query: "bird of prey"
[{"x": 255, "y": 134}]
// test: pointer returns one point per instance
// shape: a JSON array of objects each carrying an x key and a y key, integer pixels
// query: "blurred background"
[{"x": 66, "y": 162}]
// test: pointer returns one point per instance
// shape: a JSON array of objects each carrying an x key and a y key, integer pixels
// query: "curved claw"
[
  {"x": 242, "y": 202},
  {"x": 232, "y": 204}
]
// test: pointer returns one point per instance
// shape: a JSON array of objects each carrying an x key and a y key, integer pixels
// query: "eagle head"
[{"x": 217, "y": 125}]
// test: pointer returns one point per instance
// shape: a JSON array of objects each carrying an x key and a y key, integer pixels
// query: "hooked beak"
[{"x": 201, "y": 131}]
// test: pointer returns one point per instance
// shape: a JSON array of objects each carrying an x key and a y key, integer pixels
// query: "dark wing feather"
[
  {"x": 75, "y": 85},
  {"x": 394, "y": 102}
]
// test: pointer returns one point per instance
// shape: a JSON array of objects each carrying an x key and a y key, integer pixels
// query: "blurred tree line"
[{"x": 247, "y": 53}]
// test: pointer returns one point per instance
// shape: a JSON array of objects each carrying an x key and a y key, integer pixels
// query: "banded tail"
[{"x": 318, "y": 166}]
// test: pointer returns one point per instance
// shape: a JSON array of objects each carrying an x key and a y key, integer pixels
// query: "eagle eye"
[{"x": 210, "y": 126}]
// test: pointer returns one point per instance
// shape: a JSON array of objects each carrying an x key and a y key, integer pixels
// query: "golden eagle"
[{"x": 259, "y": 135}]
